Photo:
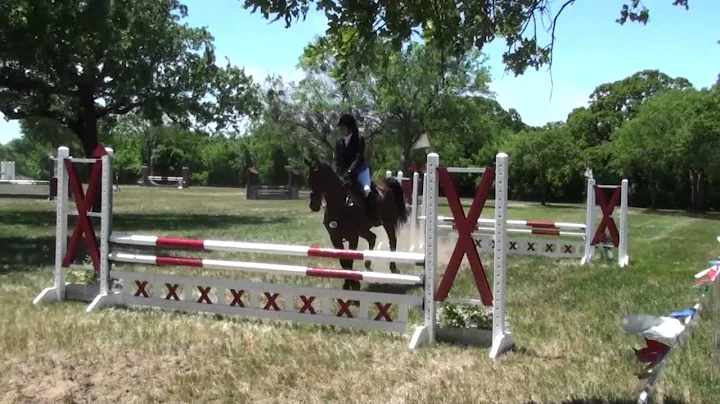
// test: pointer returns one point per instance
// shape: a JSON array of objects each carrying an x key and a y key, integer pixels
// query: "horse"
[{"x": 349, "y": 222}]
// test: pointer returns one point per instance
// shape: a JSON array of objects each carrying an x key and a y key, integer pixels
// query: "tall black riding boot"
[{"x": 370, "y": 208}]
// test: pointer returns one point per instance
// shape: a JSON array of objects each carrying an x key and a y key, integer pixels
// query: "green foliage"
[
  {"x": 674, "y": 133},
  {"x": 465, "y": 316},
  {"x": 79, "y": 62},
  {"x": 358, "y": 29},
  {"x": 615, "y": 103},
  {"x": 547, "y": 160}
]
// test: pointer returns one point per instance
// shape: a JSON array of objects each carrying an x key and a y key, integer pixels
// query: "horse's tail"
[{"x": 399, "y": 196}]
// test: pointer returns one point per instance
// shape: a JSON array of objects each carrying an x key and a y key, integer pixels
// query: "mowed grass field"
[{"x": 565, "y": 319}]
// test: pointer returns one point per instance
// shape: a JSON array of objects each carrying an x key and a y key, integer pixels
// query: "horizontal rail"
[
  {"x": 540, "y": 232},
  {"x": 161, "y": 178},
  {"x": 466, "y": 170},
  {"x": 88, "y": 214},
  {"x": 263, "y": 248},
  {"x": 272, "y": 269},
  {"x": 25, "y": 182},
  {"x": 523, "y": 223},
  {"x": 81, "y": 160},
  {"x": 544, "y": 232}
]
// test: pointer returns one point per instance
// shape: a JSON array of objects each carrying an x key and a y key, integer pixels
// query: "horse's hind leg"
[
  {"x": 371, "y": 238},
  {"x": 392, "y": 238}
]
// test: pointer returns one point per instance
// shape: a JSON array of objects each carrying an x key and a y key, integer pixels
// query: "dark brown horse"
[{"x": 349, "y": 222}]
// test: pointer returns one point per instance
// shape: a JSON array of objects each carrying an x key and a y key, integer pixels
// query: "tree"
[
  {"x": 700, "y": 139},
  {"x": 80, "y": 62},
  {"x": 617, "y": 102},
  {"x": 357, "y": 28},
  {"x": 611, "y": 106},
  {"x": 402, "y": 94},
  {"x": 543, "y": 160},
  {"x": 674, "y": 134}
]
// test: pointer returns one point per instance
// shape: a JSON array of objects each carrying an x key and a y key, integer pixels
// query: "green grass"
[{"x": 565, "y": 319}]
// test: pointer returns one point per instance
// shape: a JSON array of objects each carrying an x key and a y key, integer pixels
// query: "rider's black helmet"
[{"x": 349, "y": 122}]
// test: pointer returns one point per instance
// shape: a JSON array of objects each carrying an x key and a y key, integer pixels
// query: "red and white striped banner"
[
  {"x": 271, "y": 269},
  {"x": 262, "y": 248}
]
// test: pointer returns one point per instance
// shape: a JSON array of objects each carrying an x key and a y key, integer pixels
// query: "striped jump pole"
[
  {"x": 546, "y": 232},
  {"x": 532, "y": 227},
  {"x": 270, "y": 269},
  {"x": 265, "y": 248}
]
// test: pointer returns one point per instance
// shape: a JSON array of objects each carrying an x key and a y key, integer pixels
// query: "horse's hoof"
[
  {"x": 368, "y": 265},
  {"x": 351, "y": 285},
  {"x": 393, "y": 268}
]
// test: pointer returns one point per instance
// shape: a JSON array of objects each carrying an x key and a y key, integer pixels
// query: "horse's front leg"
[
  {"x": 350, "y": 284},
  {"x": 392, "y": 239},
  {"x": 371, "y": 239},
  {"x": 346, "y": 264}
]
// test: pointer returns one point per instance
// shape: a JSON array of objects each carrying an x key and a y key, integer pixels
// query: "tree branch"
[
  {"x": 19, "y": 83},
  {"x": 15, "y": 114},
  {"x": 552, "y": 42},
  {"x": 118, "y": 109}
]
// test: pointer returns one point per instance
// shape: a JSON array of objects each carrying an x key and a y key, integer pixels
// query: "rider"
[{"x": 350, "y": 159}]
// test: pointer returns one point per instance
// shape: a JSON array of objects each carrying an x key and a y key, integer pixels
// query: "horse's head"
[{"x": 318, "y": 179}]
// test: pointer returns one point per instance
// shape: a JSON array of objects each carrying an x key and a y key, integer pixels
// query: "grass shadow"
[
  {"x": 683, "y": 213},
  {"x": 391, "y": 288},
  {"x": 147, "y": 221},
  {"x": 26, "y": 253},
  {"x": 561, "y": 205},
  {"x": 136, "y": 222}
]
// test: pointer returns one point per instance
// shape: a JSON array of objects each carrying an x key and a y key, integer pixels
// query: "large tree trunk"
[
  {"x": 697, "y": 189},
  {"x": 693, "y": 188},
  {"x": 701, "y": 190},
  {"x": 653, "y": 194},
  {"x": 87, "y": 132},
  {"x": 406, "y": 156}
]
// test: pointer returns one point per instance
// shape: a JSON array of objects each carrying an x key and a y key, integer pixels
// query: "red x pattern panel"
[
  {"x": 607, "y": 223},
  {"x": 465, "y": 243},
  {"x": 84, "y": 203}
]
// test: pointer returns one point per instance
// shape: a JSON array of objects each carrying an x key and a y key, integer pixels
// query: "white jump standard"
[{"x": 374, "y": 311}]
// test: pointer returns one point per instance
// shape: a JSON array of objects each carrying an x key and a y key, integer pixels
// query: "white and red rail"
[
  {"x": 530, "y": 226},
  {"x": 264, "y": 248},
  {"x": 270, "y": 269}
]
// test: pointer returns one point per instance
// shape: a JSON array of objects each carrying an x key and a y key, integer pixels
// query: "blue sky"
[{"x": 591, "y": 49}]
